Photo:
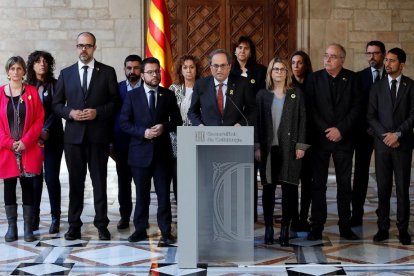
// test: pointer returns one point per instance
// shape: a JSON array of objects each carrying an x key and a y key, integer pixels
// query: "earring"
[{"x": 8, "y": 77}]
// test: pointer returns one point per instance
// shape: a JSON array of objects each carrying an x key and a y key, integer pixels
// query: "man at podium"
[{"x": 220, "y": 99}]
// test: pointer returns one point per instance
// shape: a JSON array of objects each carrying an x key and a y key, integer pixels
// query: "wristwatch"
[{"x": 398, "y": 134}]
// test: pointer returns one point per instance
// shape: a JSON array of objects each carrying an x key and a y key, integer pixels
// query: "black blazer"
[
  {"x": 102, "y": 95},
  {"x": 366, "y": 82},
  {"x": 204, "y": 110},
  {"x": 135, "y": 118},
  {"x": 384, "y": 117},
  {"x": 343, "y": 112},
  {"x": 256, "y": 75}
]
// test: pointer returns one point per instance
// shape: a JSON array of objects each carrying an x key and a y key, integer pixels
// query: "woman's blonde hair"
[{"x": 269, "y": 80}]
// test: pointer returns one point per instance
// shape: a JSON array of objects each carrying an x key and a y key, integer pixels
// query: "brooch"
[
  {"x": 231, "y": 92},
  {"x": 29, "y": 98},
  {"x": 344, "y": 79},
  {"x": 45, "y": 94},
  {"x": 160, "y": 94},
  {"x": 293, "y": 96},
  {"x": 252, "y": 81}
]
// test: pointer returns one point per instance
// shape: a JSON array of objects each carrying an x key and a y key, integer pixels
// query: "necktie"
[
  {"x": 220, "y": 100},
  {"x": 152, "y": 103},
  {"x": 377, "y": 75},
  {"x": 85, "y": 79},
  {"x": 393, "y": 91}
]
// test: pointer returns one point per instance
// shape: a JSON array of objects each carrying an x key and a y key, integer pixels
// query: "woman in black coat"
[{"x": 280, "y": 144}]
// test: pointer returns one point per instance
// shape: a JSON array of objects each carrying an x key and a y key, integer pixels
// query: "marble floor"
[{"x": 53, "y": 255}]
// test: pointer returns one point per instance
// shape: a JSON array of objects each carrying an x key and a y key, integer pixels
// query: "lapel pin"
[
  {"x": 97, "y": 68},
  {"x": 45, "y": 94},
  {"x": 405, "y": 84},
  {"x": 231, "y": 92},
  {"x": 252, "y": 81},
  {"x": 344, "y": 79},
  {"x": 293, "y": 96},
  {"x": 160, "y": 94}
]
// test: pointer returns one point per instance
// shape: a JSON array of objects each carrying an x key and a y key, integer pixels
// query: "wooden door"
[{"x": 200, "y": 26}]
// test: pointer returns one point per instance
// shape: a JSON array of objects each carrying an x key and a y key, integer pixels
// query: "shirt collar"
[
  {"x": 397, "y": 78},
  {"x": 128, "y": 84},
  {"x": 216, "y": 82},
  {"x": 148, "y": 89},
  {"x": 91, "y": 64}
]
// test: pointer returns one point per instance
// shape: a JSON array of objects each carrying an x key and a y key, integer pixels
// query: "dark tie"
[
  {"x": 85, "y": 79},
  {"x": 152, "y": 103},
  {"x": 220, "y": 100},
  {"x": 377, "y": 76},
  {"x": 393, "y": 91}
]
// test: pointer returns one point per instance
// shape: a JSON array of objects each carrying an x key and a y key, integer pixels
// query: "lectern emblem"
[{"x": 200, "y": 136}]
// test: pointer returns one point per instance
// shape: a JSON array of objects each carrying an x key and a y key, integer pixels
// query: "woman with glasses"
[
  {"x": 187, "y": 72},
  {"x": 40, "y": 66},
  {"x": 280, "y": 144},
  {"x": 301, "y": 68},
  {"x": 21, "y": 121}
]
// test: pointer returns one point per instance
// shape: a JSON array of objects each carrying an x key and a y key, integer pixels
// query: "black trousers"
[
  {"x": 79, "y": 158},
  {"x": 306, "y": 179},
  {"x": 123, "y": 171},
  {"x": 387, "y": 162},
  {"x": 53, "y": 157},
  {"x": 343, "y": 170},
  {"x": 363, "y": 153},
  {"x": 26, "y": 184},
  {"x": 161, "y": 174}
]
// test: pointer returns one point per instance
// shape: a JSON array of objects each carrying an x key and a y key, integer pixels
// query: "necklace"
[{"x": 16, "y": 114}]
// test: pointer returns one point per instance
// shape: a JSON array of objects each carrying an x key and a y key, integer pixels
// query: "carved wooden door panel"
[{"x": 200, "y": 26}]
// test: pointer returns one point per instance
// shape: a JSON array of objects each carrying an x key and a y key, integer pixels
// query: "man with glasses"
[
  {"x": 375, "y": 53},
  {"x": 87, "y": 98},
  {"x": 148, "y": 115},
  {"x": 335, "y": 107},
  {"x": 220, "y": 99}
]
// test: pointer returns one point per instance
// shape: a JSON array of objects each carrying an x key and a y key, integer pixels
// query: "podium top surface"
[{"x": 215, "y": 135}]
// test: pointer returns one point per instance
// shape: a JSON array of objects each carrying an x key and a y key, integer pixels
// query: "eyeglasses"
[
  {"x": 86, "y": 46},
  {"x": 217, "y": 66},
  {"x": 368, "y": 54},
  {"x": 279, "y": 70},
  {"x": 333, "y": 57},
  {"x": 153, "y": 72}
]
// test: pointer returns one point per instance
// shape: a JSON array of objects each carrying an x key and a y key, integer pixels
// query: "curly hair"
[
  {"x": 179, "y": 78},
  {"x": 32, "y": 59}
]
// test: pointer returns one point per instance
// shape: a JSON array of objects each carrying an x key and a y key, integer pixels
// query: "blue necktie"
[{"x": 152, "y": 104}]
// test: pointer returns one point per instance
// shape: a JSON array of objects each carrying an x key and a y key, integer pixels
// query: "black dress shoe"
[
  {"x": 315, "y": 235},
  {"x": 269, "y": 232},
  {"x": 73, "y": 233},
  {"x": 404, "y": 237},
  {"x": 35, "y": 223},
  {"x": 167, "y": 239},
  {"x": 348, "y": 234},
  {"x": 123, "y": 224},
  {"x": 381, "y": 235},
  {"x": 355, "y": 221},
  {"x": 137, "y": 236},
  {"x": 54, "y": 226},
  {"x": 300, "y": 226},
  {"x": 104, "y": 234}
]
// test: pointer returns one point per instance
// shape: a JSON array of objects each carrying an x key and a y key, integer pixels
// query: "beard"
[{"x": 132, "y": 78}]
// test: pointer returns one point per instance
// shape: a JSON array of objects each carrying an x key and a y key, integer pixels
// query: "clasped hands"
[
  {"x": 391, "y": 140},
  {"x": 18, "y": 146},
  {"x": 83, "y": 115},
  {"x": 333, "y": 134},
  {"x": 153, "y": 132}
]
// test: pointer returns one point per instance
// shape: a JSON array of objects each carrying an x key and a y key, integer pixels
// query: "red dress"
[{"x": 32, "y": 157}]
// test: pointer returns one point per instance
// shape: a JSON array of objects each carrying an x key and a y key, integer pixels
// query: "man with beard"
[
  {"x": 391, "y": 117},
  {"x": 87, "y": 98},
  {"x": 148, "y": 115},
  {"x": 375, "y": 53},
  {"x": 119, "y": 150}
]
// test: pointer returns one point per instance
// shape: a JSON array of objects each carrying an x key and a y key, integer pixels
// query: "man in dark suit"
[
  {"x": 132, "y": 68},
  {"x": 334, "y": 98},
  {"x": 148, "y": 115},
  {"x": 87, "y": 98},
  {"x": 375, "y": 52},
  {"x": 220, "y": 99},
  {"x": 391, "y": 117}
]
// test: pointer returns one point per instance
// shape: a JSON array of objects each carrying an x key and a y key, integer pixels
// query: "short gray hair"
[
  {"x": 15, "y": 60},
  {"x": 341, "y": 48}
]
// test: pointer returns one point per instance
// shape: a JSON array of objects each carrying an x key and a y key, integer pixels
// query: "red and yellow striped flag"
[{"x": 159, "y": 40}]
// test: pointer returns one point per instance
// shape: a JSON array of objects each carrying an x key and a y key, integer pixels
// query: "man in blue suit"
[
  {"x": 132, "y": 68},
  {"x": 87, "y": 98},
  {"x": 375, "y": 52},
  {"x": 148, "y": 115},
  {"x": 222, "y": 99}
]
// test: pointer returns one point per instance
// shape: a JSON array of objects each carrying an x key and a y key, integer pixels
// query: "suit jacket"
[
  {"x": 366, "y": 82},
  {"x": 384, "y": 117},
  {"x": 136, "y": 118},
  {"x": 204, "y": 109},
  {"x": 343, "y": 112},
  {"x": 291, "y": 133},
  {"x": 102, "y": 95},
  {"x": 32, "y": 158}
]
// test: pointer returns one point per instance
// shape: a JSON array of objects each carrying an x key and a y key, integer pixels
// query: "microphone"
[{"x": 238, "y": 109}]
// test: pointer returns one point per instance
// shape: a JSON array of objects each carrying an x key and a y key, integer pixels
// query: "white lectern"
[{"x": 215, "y": 195}]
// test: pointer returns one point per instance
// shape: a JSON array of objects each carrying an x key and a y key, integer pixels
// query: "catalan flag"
[{"x": 159, "y": 40}]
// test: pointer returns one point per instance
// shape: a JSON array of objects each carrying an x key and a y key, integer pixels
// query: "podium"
[{"x": 215, "y": 195}]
